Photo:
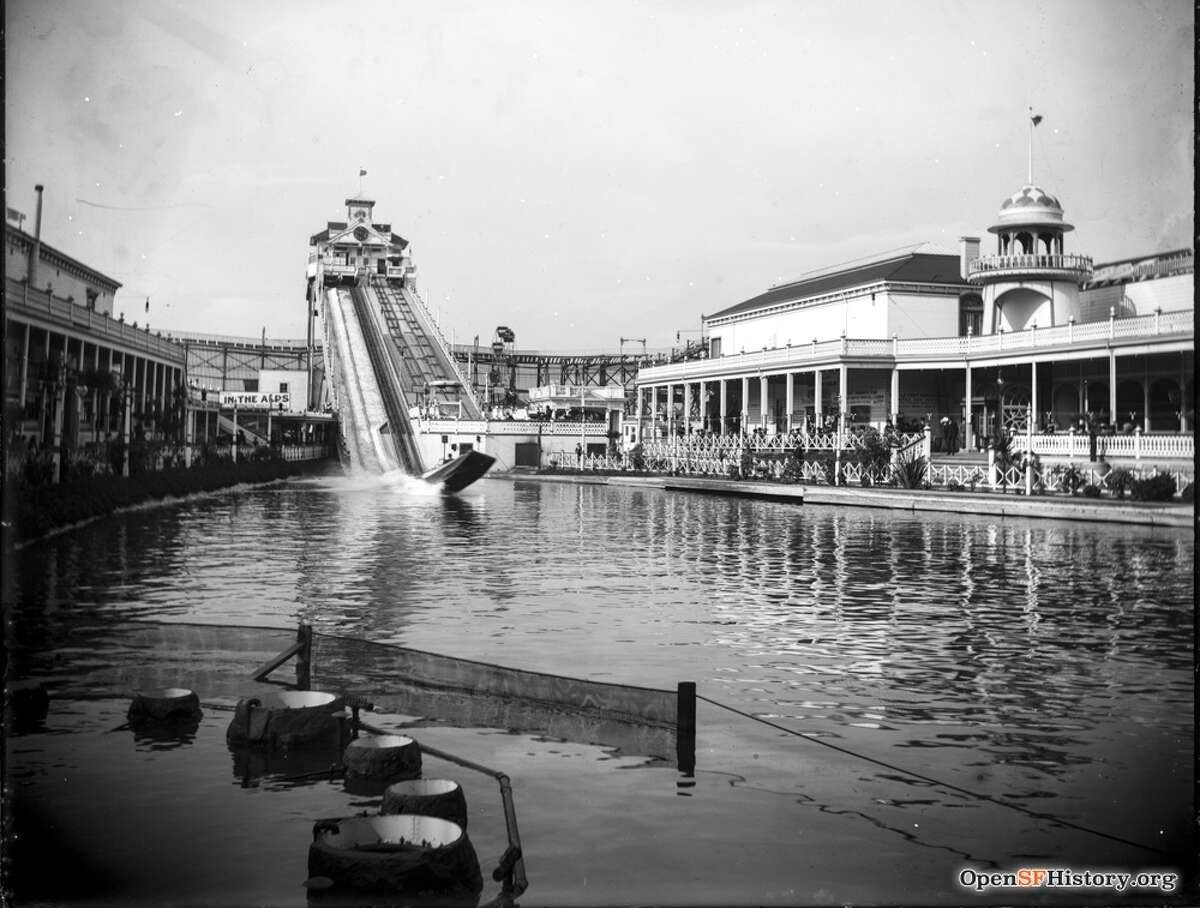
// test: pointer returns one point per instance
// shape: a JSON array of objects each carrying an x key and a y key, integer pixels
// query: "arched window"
[{"x": 970, "y": 314}]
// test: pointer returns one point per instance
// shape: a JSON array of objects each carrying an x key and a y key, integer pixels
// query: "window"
[
  {"x": 283, "y": 387},
  {"x": 970, "y": 314},
  {"x": 714, "y": 347},
  {"x": 92, "y": 296}
]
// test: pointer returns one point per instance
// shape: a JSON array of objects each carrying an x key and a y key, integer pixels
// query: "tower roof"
[{"x": 1030, "y": 206}]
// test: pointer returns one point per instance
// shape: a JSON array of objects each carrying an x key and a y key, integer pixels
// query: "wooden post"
[
  {"x": 304, "y": 636},
  {"x": 685, "y": 732}
]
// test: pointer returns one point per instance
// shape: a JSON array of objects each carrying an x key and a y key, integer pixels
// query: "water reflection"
[
  {"x": 1008, "y": 650},
  {"x": 165, "y": 735}
]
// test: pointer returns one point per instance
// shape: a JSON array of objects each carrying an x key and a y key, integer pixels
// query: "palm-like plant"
[
  {"x": 911, "y": 472},
  {"x": 1003, "y": 455}
]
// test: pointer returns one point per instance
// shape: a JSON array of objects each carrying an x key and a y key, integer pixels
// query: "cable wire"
[{"x": 916, "y": 775}]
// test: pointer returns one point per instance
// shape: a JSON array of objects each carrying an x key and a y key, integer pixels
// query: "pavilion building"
[{"x": 921, "y": 333}]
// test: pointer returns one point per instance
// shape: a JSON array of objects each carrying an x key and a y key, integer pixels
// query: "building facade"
[{"x": 1029, "y": 337}]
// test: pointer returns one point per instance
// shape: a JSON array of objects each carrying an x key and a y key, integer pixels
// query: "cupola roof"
[{"x": 1030, "y": 206}]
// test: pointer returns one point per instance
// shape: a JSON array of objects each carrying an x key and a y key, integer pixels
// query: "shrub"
[
  {"x": 875, "y": 453},
  {"x": 793, "y": 467},
  {"x": 1188, "y": 493},
  {"x": 1160, "y": 487},
  {"x": 1120, "y": 481},
  {"x": 1091, "y": 491},
  {"x": 953, "y": 486},
  {"x": 1070, "y": 479},
  {"x": 911, "y": 472}
]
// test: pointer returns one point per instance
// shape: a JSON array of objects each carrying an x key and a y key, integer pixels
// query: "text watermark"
[{"x": 1067, "y": 878}]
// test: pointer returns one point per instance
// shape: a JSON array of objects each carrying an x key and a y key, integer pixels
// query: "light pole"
[
  {"x": 125, "y": 389},
  {"x": 59, "y": 402}
]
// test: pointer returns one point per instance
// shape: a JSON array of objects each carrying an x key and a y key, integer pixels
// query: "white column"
[
  {"x": 818, "y": 395},
  {"x": 790, "y": 378},
  {"x": 637, "y": 415},
  {"x": 1112, "y": 388},
  {"x": 895, "y": 395},
  {"x": 745, "y": 403},
  {"x": 25, "y": 367},
  {"x": 670, "y": 410},
  {"x": 1146, "y": 401},
  {"x": 189, "y": 434},
  {"x": 724, "y": 405},
  {"x": 1183, "y": 402},
  {"x": 843, "y": 392},
  {"x": 1033, "y": 395},
  {"x": 968, "y": 432},
  {"x": 687, "y": 407},
  {"x": 762, "y": 401},
  {"x": 127, "y": 402}
]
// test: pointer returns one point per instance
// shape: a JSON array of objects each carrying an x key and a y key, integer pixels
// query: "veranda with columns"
[{"x": 1120, "y": 376}]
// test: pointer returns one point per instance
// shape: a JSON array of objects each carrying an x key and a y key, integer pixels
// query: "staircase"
[{"x": 428, "y": 372}]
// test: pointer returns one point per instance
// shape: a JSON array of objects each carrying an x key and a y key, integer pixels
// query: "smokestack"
[
  {"x": 968, "y": 252},
  {"x": 36, "y": 254}
]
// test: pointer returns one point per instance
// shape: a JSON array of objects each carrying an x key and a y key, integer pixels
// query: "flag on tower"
[
  {"x": 1036, "y": 118},
  {"x": 13, "y": 215},
  {"x": 363, "y": 173},
  {"x": 147, "y": 304}
]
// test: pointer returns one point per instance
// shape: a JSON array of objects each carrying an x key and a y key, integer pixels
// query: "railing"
[
  {"x": 509, "y": 427},
  {"x": 1064, "y": 479},
  {"x": 1025, "y": 264},
  {"x": 195, "y": 337},
  {"x": 1138, "y": 446},
  {"x": 304, "y": 452},
  {"x": 719, "y": 458},
  {"x": 431, "y": 324},
  {"x": 780, "y": 359},
  {"x": 22, "y": 300},
  {"x": 605, "y": 392}
]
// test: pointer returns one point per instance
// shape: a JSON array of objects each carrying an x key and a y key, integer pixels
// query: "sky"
[{"x": 579, "y": 172}]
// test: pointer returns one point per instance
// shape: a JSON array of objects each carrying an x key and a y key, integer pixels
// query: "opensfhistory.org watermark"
[{"x": 1067, "y": 878}]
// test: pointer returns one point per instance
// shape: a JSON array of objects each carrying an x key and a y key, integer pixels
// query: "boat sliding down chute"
[{"x": 377, "y": 435}]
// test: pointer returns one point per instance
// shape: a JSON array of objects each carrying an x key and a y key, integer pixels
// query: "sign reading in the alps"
[{"x": 256, "y": 400}]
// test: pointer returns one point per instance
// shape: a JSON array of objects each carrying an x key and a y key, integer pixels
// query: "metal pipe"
[
  {"x": 520, "y": 883},
  {"x": 35, "y": 254}
]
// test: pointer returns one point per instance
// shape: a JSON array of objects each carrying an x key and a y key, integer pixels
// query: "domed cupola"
[
  {"x": 1030, "y": 281},
  {"x": 1031, "y": 206}
]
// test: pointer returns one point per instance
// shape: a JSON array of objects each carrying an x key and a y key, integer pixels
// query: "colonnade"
[{"x": 973, "y": 392}]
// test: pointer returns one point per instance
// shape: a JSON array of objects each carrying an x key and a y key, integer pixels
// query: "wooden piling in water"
[{"x": 685, "y": 733}]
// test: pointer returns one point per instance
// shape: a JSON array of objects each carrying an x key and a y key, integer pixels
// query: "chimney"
[
  {"x": 968, "y": 252},
  {"x": 35, "y": 255}
]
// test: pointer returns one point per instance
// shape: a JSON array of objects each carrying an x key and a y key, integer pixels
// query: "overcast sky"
[{"x": 579, "y": 171}]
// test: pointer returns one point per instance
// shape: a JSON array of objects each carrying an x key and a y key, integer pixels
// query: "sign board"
[{"x": 256, "y": 400}]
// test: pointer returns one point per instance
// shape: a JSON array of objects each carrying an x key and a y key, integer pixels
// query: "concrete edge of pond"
[{"x": 1160, "y": 514}]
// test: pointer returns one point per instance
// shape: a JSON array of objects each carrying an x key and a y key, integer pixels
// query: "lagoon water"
[{"x": 1042, "y": 663}]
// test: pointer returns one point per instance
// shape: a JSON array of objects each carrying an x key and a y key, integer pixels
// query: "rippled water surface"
[{"x": 1042, "y": 661}]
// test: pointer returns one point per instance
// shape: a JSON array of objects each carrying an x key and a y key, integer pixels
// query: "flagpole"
[{"x": 1031, "y": 125}]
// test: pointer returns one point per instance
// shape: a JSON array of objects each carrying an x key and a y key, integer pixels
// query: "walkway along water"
[{"x": 1013, "y": 504}]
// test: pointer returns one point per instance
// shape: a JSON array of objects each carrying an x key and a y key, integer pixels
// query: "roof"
[
  {"x": 904, "y": 266},
  {"x": 50, "y": 253},
  {"x": 1157, "y": 265}
]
